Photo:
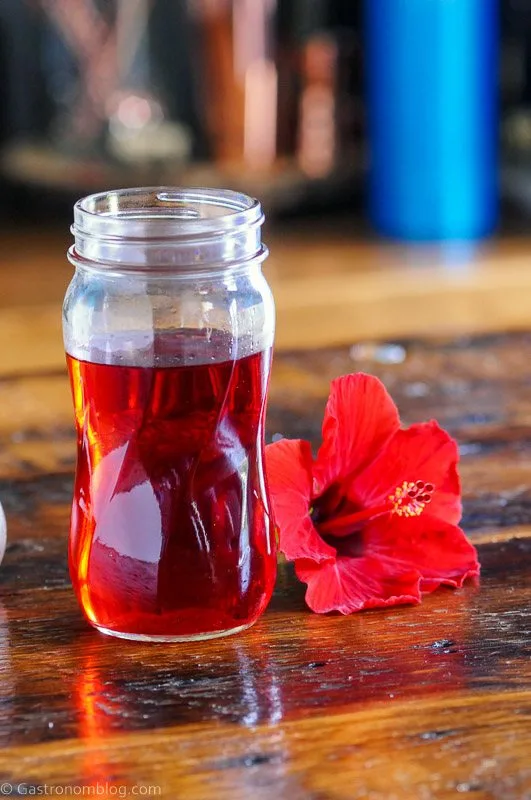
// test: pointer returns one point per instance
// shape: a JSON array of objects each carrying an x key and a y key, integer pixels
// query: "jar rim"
[
  {"x": 159, "y": 212},
  {"x": 167, "y": 227}
]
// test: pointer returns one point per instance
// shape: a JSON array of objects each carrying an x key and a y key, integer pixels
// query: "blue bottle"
[{"x": 432, "y": 75}]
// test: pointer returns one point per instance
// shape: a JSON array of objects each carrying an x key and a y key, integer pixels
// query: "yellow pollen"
[{"x": 410, "y": 498}]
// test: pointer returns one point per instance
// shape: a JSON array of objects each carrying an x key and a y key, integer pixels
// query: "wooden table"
[{"x": 413, "y": 703}]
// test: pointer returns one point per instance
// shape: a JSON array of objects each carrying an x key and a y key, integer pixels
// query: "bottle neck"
[
  {"x": 167, "y": 231},
  {"x": 165, "y": 271}
]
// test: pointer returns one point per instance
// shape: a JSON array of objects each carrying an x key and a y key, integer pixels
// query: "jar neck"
[
  {"x": 167, "y": 230},
  {"x": 167, "y": 272}
]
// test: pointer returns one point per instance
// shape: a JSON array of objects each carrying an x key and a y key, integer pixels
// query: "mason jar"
[{"x": 168, "y": 330}]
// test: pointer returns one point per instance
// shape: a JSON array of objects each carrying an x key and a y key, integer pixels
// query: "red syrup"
[{"x": 170, "y": 534}]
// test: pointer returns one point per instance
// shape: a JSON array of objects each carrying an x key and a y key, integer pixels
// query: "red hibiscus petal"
[
  {"x": 360, "y": 417},
  {"x": 352, "y": 584},
  {"x": 439, "y": 551},
  {"x": 423, "y": 452},
  {"x": 289, "y": 476}
]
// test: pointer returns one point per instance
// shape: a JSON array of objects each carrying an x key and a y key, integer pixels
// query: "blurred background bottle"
[{"x": 432, "y": 84}]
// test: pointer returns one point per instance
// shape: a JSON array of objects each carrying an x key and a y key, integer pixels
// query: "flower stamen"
[
  {"x": 408, "y": 500},
  {"x": 411, "y": 498}
]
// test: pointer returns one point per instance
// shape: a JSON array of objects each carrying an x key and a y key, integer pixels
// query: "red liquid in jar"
[{"x": 170, "y": 531}]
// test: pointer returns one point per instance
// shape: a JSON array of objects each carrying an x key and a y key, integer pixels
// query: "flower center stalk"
[{"x": 408, "y": 500}]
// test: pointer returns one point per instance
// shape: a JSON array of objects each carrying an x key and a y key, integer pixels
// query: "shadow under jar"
[{"x": 168, "y": 328}]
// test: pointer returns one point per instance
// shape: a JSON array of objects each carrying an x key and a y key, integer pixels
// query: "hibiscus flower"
[{"x": 372, "y": 521}]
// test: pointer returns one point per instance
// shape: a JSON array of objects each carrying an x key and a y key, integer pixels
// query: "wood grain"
[
  {"x": 478, "y": 388},
  {"x": 424, "y": 702},
  {"x": 330, "y": 288},
  {"x": 407, "y": 704}
]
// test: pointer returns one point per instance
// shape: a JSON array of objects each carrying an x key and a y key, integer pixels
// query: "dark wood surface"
[{"x": 412, "y": 703}]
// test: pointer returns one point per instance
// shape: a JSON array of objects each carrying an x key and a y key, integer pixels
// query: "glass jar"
[{"x": 168, "y": 328}]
